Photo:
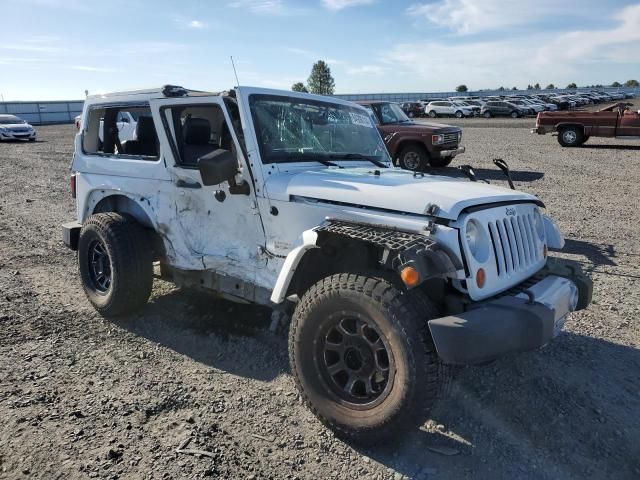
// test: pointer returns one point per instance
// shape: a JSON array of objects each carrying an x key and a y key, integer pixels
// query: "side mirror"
[{"x": 217, "y": 167}]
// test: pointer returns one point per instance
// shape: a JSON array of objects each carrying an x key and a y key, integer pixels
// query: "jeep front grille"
[{"x": 514, "y": 244}]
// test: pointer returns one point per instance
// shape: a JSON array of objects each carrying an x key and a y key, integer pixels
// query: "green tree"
[
  {"x": 320, "y": 81},
  {"x": 529, "y": 87},
  {"x": 462, "y": 88},
  {"x": 537, "y": 86},
  {"x": 514, "y": 88},
  {"x": 572, "y": 85},
  {"x": 616, "y": 84},
  {"x": 501, "y": 89},
  {"x": 632, "y": 83},
  {"x": 299, "y": 87},
  {"x": 551, "y": 86}
]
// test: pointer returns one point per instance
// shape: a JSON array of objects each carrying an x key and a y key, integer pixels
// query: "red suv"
[{"x": 414, "y": 145}]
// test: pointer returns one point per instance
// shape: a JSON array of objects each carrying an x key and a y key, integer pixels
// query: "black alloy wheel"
[{"x": 354, "y": 360}]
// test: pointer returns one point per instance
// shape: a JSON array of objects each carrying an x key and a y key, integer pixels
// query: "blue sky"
[{"x": 55, "y": 49}]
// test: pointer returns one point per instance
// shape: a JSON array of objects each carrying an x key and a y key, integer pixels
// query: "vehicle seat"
[
  {"x": 196, "y": 134},
  {"x": 147, "y": 139}
]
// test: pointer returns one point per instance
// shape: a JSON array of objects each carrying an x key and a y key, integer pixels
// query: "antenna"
[{"x": 234, "y": 71}]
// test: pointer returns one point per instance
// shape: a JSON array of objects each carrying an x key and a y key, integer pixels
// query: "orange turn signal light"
[
  {"x": 410, "y": 276},
  {"x": 480, "y": 278}
]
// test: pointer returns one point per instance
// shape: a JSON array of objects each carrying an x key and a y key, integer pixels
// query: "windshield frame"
[{"x": 313, "y": 155}]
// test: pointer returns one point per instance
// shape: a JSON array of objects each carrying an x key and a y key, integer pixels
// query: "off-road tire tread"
[
  {"x": 412, "y": 315},
  {"x": 132, "y": 262}
]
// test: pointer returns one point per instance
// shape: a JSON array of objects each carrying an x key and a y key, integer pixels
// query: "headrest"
[
  {"x": 145, "y": 130},
  {"x": 196, "y": 131}
]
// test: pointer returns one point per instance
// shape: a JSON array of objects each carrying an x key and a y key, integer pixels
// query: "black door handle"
[{"x": 184, "y": 184}]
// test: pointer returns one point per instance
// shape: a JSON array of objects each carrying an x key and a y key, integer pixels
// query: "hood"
[
  {"x": 12, "y": 126},
  {"x": 394, "y": 189},
  {"x": 417, "y": 127}
]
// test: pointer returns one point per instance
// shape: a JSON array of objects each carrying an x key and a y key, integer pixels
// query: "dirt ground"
[{"x": 83, "y": 397}]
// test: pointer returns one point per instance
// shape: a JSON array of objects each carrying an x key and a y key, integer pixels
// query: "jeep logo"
[{"x": 511, "y": 211}]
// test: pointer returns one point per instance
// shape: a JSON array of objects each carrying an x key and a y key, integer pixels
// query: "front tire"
[
  {"x": 413, "y": 157},
  {"x": 570, "y": 137},
  {"x": 486, "y": 114},
  {"x": 459, "y": 114},
  {"x": 116, "y": 263},
  {"x": 362, "y": 357},
  {"x": 514, "y": 114},
  {"x": 433, "y": 114}
]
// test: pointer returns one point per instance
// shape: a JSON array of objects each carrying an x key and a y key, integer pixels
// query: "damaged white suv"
[{"x": 291, "y": 200}]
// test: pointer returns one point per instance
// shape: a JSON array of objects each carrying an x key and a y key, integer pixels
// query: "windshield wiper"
[
  {"x": 358, "y": 156},
  {"x": 306, "y": 158}
]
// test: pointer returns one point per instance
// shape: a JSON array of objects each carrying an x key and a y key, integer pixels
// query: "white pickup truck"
[{"x": 291, "y": 200}]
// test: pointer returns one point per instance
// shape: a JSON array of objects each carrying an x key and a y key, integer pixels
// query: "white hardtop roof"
[{"x": 155, "y": 93}]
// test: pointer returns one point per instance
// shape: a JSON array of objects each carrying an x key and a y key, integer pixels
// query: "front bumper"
[
  {"x": 452, "y": 152},
  {"x": 516, "y": 322}
]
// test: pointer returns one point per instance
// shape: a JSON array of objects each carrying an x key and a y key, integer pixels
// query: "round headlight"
[
  {"x": 477, "y": 240},
  {"x": 472, "y": 235},
  {"x": 537, "y": 217}
]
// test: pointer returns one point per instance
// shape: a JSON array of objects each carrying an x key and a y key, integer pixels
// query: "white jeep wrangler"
[{"x": 291, "y": 200}]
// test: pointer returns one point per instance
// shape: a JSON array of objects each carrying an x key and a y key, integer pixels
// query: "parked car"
[
  {"x": 525, "y": 107},
  {"x": 413, "y": 109},
  {"x": 475, "y": 109},
  {"x": 501, "y": 108},
  {"x": 447, "y": 108},
  {"x": 413, "y": 145},
  {"x": 14, "y": 128},
  {"x": 575, "y": 128},
  {"x": 287, "y": 200}
]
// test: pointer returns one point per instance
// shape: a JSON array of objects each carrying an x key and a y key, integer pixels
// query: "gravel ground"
[{"x": 83, "y": 397}]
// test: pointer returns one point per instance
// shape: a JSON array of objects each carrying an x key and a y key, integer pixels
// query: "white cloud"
[
  {"x": 368, "y": 70},
  {"x": 513, "y": 61},
  {"x": 196, "y": 25},
  {"x": 86, "y": 68},
  {"x": 474, "y": 16},
  {"x": 337, "y": 5},
  {"x": 618, "y": 45},
  {"x": 262, "y": 7}
]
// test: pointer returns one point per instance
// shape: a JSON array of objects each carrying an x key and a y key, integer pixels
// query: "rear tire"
[
  {"x": 116, "y": 263},
  {"x": 486, "y": 114},
  {"x": 362, "y": 357},
  {"x": 413, "y": 157},
  {"x": 570, "y": 137},
  {"x": 514, "y": 114}
]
